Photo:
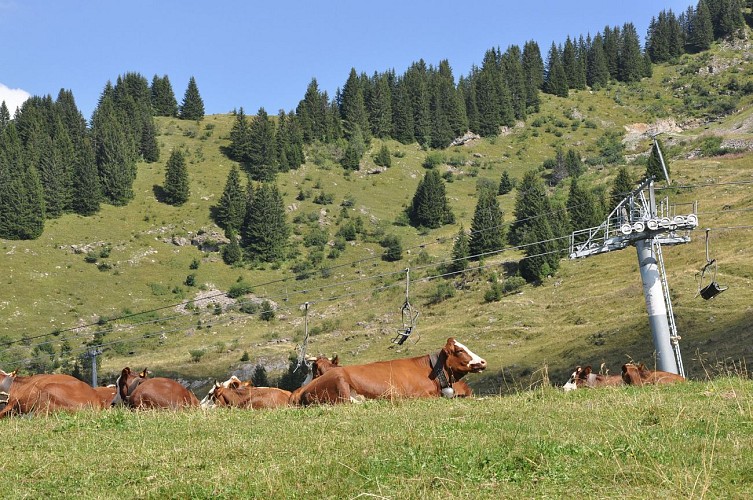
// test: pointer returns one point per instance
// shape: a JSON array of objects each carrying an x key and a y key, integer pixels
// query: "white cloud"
[{"x": 13, "y": 98}]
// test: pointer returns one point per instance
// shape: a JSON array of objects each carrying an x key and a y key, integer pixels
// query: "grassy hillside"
[{"x": 130, "y": 264}]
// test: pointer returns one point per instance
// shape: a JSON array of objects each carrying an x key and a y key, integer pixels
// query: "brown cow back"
[{"x": 160, "y": 392}]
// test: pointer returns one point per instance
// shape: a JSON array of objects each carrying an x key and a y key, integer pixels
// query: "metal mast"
[{"x": 639, "y": 221}]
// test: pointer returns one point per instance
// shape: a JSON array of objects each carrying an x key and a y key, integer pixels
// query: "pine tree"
[
  {"x": 22, "y": 210},
  {"x": 573, "y": 163},
  {"x": 531, "y": 202},
  {"x": 259, "y": 377},
  {"x": 86, "y": 187},
  {"x": 597, "y": 71},
  {"x": 114, "y": 153},
  {"x": 487, "y": 96},
  {"x": 163, "y": 97},
  {"x": 383, "y": 157},
  {"x": 192, "y": 107},
  {"x": 622, "y": 186},
  {"x": 312, "y": 114},
  {"x": 232, "y": 252},
  {"x": 231, "y": 209},
  {"x": 416, "y": 81},
  {"x": 612, "y": 50},
  {"x": 512, "y": 71},
  {"x": 56, "y": 171},
  {"x": 556, "y": 80},
  {"x": 402, "y": 114},
  {"x": 467, "y": 88},
  {"x": 176, "y": 179},
  {"x": 533, "y": 74},
  {"x": 351, "y": 159},
  {"x": 4, "y": 116},
  {"x": 266, "y": 233},
  {"x": 581, "y": 207},
  {"x": 353, "y": 107},
  {"x": 430, "y": 208},
  {"x": 570, "y": 64},
  {"x": 506, "y": 184},
  {"x": 240, "y": 138},
  {"x": 461, "y": 250},
  {"x": 487, "y": 231},
  {"x": 262, "y": 152},
  {"x": 379, "y": 106},
  {"x": 701, "y": 29},
  {"x": 654, "y": 166},
  {"x": 630, "y": 61}
]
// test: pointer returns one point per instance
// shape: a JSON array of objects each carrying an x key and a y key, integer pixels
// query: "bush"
[
  {"x": 190, "y": 280},
  {"x": 196, "y": 354},
  {"x": 393, "y": 248},
  {"x": 433, "y": 159},
  {"x": 444, "y": 291},
  {"x": 267, "y": 311},
  {"x": 238, "y": 289}
]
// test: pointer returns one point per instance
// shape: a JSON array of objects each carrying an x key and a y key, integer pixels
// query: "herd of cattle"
[{"x": 431, "y": 375}]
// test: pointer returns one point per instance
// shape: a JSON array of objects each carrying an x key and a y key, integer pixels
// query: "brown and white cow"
[
  {"x": 208, "y": 400},
  {"x": 430, "y": 375},
  {"x": 44, "y": 393},
  {"x": 640, "y": 375},
  {"x": 584, "y": 377},
  {"x": 248, "y": 396},
  {"x": 138, "y": 391}
]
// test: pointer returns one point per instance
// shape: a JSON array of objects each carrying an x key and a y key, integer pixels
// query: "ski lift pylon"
[{"x": 713, "y": 288}]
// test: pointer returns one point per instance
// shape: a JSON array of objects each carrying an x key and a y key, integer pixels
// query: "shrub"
[
  {"x": 196, "y": 354},
  {"x": 238, "y": 289},
  {"x": 442, "y": 292},
  {"x": 433, "y": 159}
]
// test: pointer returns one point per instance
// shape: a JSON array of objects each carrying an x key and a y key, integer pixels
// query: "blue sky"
[{"x": 254, "y": 54}]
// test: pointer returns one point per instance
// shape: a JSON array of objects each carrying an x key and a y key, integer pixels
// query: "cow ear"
[
  {"x": 126, "y": 371},
  {"x": 335, "y": 360},
  {"x": 144, "y": 373},
  {"x": 216, "y": 384}
]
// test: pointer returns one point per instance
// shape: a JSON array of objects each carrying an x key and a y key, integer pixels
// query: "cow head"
[
  {"x": 572, "y": 382},
  {"x": 210, "y": 399},
  {"x": 631, "y": 374},
  {"x": 460, "y": 360},
  {"x": 322, "y": 364},
  {"x": 126, "y": 383}
]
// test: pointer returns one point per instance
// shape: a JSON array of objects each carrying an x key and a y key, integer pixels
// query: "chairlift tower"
[{"x": 639, "y": 221}]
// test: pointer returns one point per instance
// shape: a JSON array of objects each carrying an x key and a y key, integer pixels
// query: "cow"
[
  {"x": 634, "y": 374},
  {"x": 248, "y": 396},
  {"x": 208, "y": 400},
  {"x": 45, "y": 393},
  {"x": 107, "y": 394},
  {"x": 140, "y": 392},
  {"x": 584, "y": 377},
  {"x": 430, "y": 375}
]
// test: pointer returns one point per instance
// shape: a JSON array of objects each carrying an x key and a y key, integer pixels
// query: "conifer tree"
[
  {"x": 531, "y": 202},
  {"x": 570, "y": 64},
  {"x": 573, "y": 163},
  {"x": 176, "y": 179},
  {"x": 654, "y": 167},
  {"x": 383, "y": 157},
  {"x": 312, "y": 114},
  {"x": 22, "y": 210},
  {"x": 612, "y": 50},
  {"x": 416, "y": 82},
  {"x": 351, "y": 159},
  {"x": 402, "y": 114},
  {"x": 488, "y": 96},
  {"x": 556, "y": 80},
  {"x": 701, "y": 29},
  {"x": 630, "y": 61},
  {"x": 86, "y": 187},
  {"x": 533, "y": 74},
  {"x": 4, "y": 116},
  {"x": 231, "y": 208},
  {"x": 622, "y": 185},
  {"x": 266, "y": 233},
  {"x": 114, "y": 153},
  {"x": 461, "y": 250},
  {"x": 240, "y": 138},
  {"x": 597, "y": 71},
  {"x": 512, "y": 71},
  {"x": 487, "y": 231},
  {"x": 430, "y": 208},
  {"x": 192, "y": 107},
  {"x": 581, "y": 207},
  {"x": 163, "y": 97},
  {"x": 379, "y": 106},
  {"x": 353, "y": 107},
  {"x": 56, "y": 171},
  {"x": 506, "y": 183},
  {"x": 262, "y": 151},
  {"x": 467, "y": 88},
  {"x": 232, "y": 252}
]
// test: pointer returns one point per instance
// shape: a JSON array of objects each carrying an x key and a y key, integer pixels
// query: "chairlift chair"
[{"x": 713, "y": 288}]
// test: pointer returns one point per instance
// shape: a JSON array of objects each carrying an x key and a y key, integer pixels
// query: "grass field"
[
  {"x": 591, "y": 312},
  {"x": 686, "y": 441}
]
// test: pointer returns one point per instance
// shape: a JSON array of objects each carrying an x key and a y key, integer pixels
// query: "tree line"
[{"x": 52, "y": 162}]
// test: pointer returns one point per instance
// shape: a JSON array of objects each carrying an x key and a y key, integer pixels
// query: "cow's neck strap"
[{"x": 438, "y": 372}]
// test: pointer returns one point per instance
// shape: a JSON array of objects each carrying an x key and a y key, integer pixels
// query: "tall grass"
[{"x": 686, "y": 441}]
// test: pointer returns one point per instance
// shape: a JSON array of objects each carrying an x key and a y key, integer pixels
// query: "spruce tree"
[
  {"x": 531, "y": 202},
  {"x": 512, "y": 71},
  {"x": 573, "y": 163},
  {"x": 402, "y": 114},
  {"x": 22, "y": 210},
  {"x": 353, "y": 107},
  {"x": 581, "y": 207},
  {"x": 533, "y": 74},
  {"x": 354, "y": 151},
  {"x": 163, "y": 97},
  {"x": 4, "y": 116},
  {"x": 570, "y": 64},
  {"x": 416, "y": 81},
  {"x": 56, "y": 172},
  {"x": 430, "y": 208},
  {"x": 192, "y": 107},
  {"x": 612, "y": 42},
  {"x": 114, "y": 153},
  {"x": 266, "y": 231},
  {"x": 383, "y": 157},
  {"x": 630, "y": 61},
  {"x": 701, "y": 29},
  {"x": 312, "y": 114},
  {"x": 87, "y": 192},
  {"x": 240, "y": 138},
  {"x": 176, "y": 185},
  {"x": 487, "y": 96},
  {"x": 597, "y": 71},
  {"x": 231, "y": 209},
  {"x": 622, "y": 185},
  {"x": 461, "y": 250},
  {"x": 654, "y": 166},
  {"x": 487, "y": 231},
  {"x": 262, "y": 149},
  {"x": 556, "y": 80},
  {"x": 506, "y": 184},
  {"x": 379, "y": 106}
]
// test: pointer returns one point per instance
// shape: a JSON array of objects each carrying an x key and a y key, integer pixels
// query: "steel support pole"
[{"x": 657, "y": 308}]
